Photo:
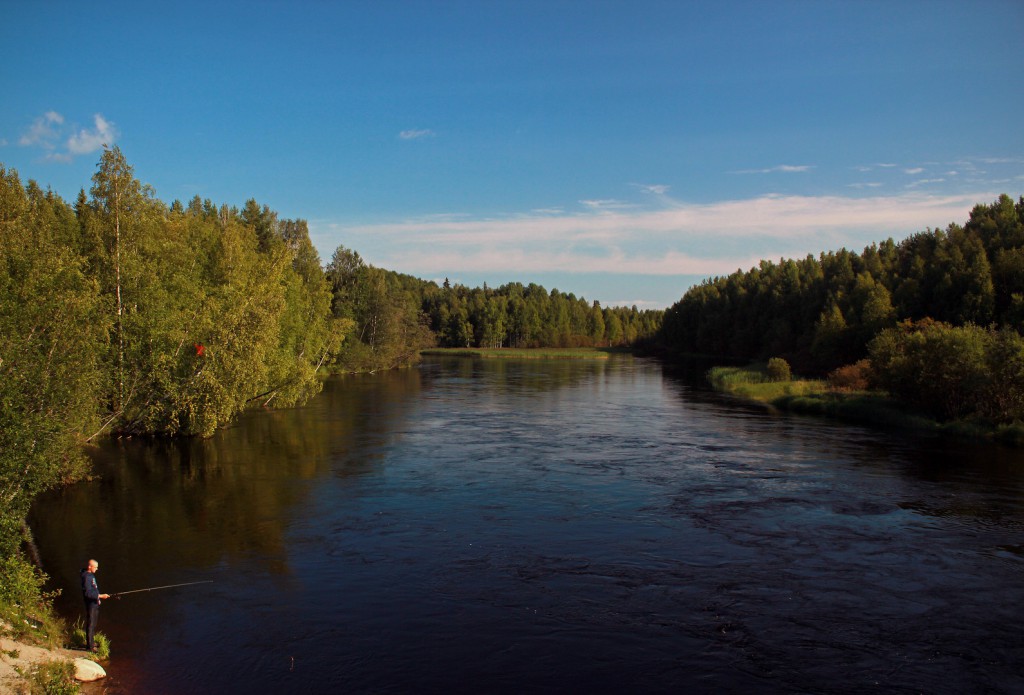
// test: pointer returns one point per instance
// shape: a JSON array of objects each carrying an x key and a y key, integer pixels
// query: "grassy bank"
[
  {"x": 524, "y": 354},
  {"x": 33, "y": 658},
  {"x": 25, "y": 609},
  {"x": 815, "y": 397}
]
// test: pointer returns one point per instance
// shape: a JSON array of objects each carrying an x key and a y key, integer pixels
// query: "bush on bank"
[{"x": 952, "y": 372}]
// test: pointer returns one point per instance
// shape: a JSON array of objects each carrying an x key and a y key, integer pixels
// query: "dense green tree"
[
  {"x": 940, "y": 368},
  {"x": 52, "y": 333}
]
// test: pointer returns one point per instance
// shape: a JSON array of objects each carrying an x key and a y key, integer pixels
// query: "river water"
[{"x": 548, "y": 526}]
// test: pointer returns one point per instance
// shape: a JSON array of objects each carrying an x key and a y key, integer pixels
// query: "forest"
[
  {"x": 121, "y": 315},
  {"x": 393, "y": 316},
  {"x": 934, "y": 320}
]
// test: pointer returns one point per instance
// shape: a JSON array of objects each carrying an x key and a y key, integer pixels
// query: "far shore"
[{"x": 584, "y": 353}]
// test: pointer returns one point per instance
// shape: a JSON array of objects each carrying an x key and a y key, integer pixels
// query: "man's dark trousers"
[{"x": 92, "y": 615}]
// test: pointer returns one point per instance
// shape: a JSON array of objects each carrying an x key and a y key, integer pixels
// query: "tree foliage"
[
  {"x": 52, "y": 333},
  {"x": 515, "y": 315},
  {"x": 950, "y": 371}
]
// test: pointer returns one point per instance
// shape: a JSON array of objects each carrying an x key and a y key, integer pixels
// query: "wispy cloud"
[
  {"x": 878, "y": 165},
  {"x": 86, "y": 141},
  {"x": 43, "y": 132},
  {"x": 782, "y": 168},
  {"x": 605, "y": 204},
  {"x": 652, "y": 188},
  {"x": 416, "y": 134},
  {"x": 924, "y": 182},
  {"x": 61, "y": 142},
  {"x": 638, "y": 303},
  {"x": 685, "y": 239}
]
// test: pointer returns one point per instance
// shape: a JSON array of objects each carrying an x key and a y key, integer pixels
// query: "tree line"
[
  {"x": 960, "y": 286},
  {"x": 393, "y": 316}
]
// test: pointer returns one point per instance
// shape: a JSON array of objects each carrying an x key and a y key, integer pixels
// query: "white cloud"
[
  {"x": 416, "y": 134},
  {"x": 914, "y": 170},
  {"x": 640, "y": 304},
  {"x": 655, "y": 189},
  {"x": 87, "y": 141},
  {"x": 49, "y": 133},
  {"x": 1000, "y": 160},
  {"x": 605, "y": 204},
  {"x": 686, "y": 239},
  {"x": 43, "y": 132},
  {"x": 782, "y": 168}
]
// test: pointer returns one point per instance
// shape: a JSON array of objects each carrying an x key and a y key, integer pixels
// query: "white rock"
[{"x": 88, "y": 671}]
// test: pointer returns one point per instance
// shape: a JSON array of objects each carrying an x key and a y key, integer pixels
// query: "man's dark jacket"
[{"x": 90, "y": 591}]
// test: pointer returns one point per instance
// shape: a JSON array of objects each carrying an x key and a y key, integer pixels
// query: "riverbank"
[
  {"x": 33, "y": 658},
  {"x": 817, "y": 397},
  {"x": 525, "y": 353},
  {"x": 29, "y": 668}
]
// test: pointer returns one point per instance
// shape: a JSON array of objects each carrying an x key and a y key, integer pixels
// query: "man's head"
[{"x": 93, "y": 565}]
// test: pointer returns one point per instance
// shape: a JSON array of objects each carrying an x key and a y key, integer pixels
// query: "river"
[{"x": 494, "y": 526}]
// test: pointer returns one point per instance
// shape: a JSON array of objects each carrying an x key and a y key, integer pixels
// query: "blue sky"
[{"x": 621, "y": 151}]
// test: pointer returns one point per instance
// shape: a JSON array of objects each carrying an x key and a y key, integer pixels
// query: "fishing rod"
[{"x": 157, "y": 588}]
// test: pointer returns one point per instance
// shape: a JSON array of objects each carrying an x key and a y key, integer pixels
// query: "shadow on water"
[
  {"x": 527, "y": 526},
  {"x": 161, "y": 511}
]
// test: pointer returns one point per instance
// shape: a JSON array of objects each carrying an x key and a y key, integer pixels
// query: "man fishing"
[{"x": 92, "y": 596}]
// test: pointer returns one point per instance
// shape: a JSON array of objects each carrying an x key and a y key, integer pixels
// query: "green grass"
[
  {"x": 753, "y": 382},
  {"x": 524, "y": 354},
  {"x": 52, "y": 678},
  {"x": 25, "y": 609},
  {"x": 814, "y": 397},
  {"x": 102, "y": 642}
]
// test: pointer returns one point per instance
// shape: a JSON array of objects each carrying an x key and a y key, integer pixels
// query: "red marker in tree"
[{"x": 200, "y": 350}]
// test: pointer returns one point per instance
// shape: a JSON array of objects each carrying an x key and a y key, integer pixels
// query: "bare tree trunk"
[{"x": 120, "y": 309}]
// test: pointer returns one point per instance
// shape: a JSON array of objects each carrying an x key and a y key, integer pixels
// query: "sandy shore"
[{"x": 28, "y": 655}]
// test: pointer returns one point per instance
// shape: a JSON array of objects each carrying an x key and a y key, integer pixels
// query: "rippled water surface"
[{"x": 534, "y": 526}]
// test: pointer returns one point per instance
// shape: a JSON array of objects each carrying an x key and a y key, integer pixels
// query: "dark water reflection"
[{"x": 493, "y": 526}]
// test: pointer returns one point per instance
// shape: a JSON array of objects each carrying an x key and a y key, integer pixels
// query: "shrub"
[
  {"x": 778, "y": 369},
  {"x": 53, "y": 678},
  {"x": 24, "y": 606},
  {"x": 938, "y": 367},
  {"x": 851, "y": 377}
]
